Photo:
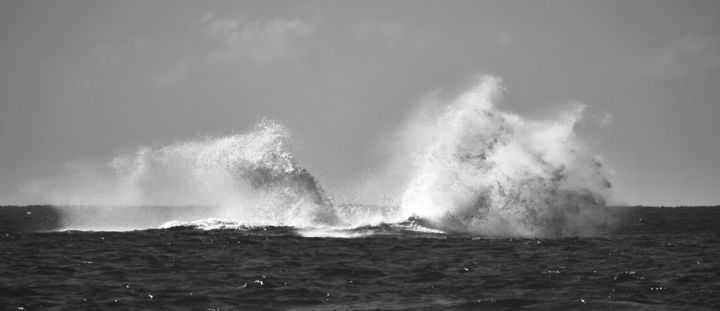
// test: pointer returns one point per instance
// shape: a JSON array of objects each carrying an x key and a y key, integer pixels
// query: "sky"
[{"x": 87, "y": 80}]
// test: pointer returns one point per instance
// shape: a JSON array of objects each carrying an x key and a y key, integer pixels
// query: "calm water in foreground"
[{"x": 657, "y": 259}]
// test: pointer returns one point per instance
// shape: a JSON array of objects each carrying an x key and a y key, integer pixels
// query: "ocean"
[
  {"x": 471, "y": 207},
  {"x": 653, "y": 259}
]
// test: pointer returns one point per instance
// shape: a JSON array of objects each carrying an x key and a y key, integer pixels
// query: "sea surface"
[{"x": 656, "y": 259}]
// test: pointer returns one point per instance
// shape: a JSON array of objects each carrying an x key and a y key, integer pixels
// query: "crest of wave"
[{"x": 479, "y": 169}]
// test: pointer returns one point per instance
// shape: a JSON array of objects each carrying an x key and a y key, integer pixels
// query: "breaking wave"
[
  {"x": 252, "y": 178},
  {"x": 483, "y": 170},
  {"x": 411, "y": 226},
  {"x": 475, "y": 169}
]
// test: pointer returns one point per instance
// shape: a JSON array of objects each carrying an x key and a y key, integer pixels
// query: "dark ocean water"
[{"x": 657, "y": 259}]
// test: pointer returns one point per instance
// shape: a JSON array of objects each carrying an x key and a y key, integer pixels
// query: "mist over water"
[{"x": 467, "y": 166}]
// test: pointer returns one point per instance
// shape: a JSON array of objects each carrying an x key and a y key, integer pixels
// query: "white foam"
[
  {"x": 484, "y": 170},
  {"x": 252, "y": 178},
  {"x": 204, "y": 224}
]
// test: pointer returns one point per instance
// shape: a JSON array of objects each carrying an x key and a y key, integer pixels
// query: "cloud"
[
  {"x": 176, "y": 74},
  {"x": 109, "y": 56},
  {"x": 390, "y": 32},
  {"x": 505, "y": 39},
  {"x": 394, "y": 35},
  {"x": 110, "y": 59},
  {"x": 689, "y": 53},
  {"x": 276, "y": 40}
]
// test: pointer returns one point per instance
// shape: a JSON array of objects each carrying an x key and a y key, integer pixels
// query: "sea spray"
[
  {"x": 251, "y": 178},
  {"x": 482, "y": 170},
  {"x": 463, "y": 165}
]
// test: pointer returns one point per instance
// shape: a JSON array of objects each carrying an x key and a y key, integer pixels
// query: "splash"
[
  {"x": 473, "y": 168},
  {"x": 482, "y": 170},
  {"x": 251, "y": 178}
]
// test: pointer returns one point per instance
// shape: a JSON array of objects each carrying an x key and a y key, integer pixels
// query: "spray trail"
[
  {"x": 482, "y": 170},
  {"x": 250, "y": 178}
]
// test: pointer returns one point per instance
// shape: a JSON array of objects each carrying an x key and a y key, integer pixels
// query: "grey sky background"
[{"x": 86, "y": 80}]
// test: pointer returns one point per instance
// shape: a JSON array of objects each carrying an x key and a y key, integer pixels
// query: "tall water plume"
[
  {"x": 251, "y": 178},
  {"x": 483, "y": 170}
]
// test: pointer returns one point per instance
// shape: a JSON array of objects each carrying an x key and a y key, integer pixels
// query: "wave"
[
  {"x": 483, "y": 170},
  {"x": 411, "y": 226},
  {"x": 251, "y": 177},
  {"x": 474, "y": 169}
]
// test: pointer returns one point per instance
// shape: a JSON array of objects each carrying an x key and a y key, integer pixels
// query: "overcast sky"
[{"x": 86, "y": 80}]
